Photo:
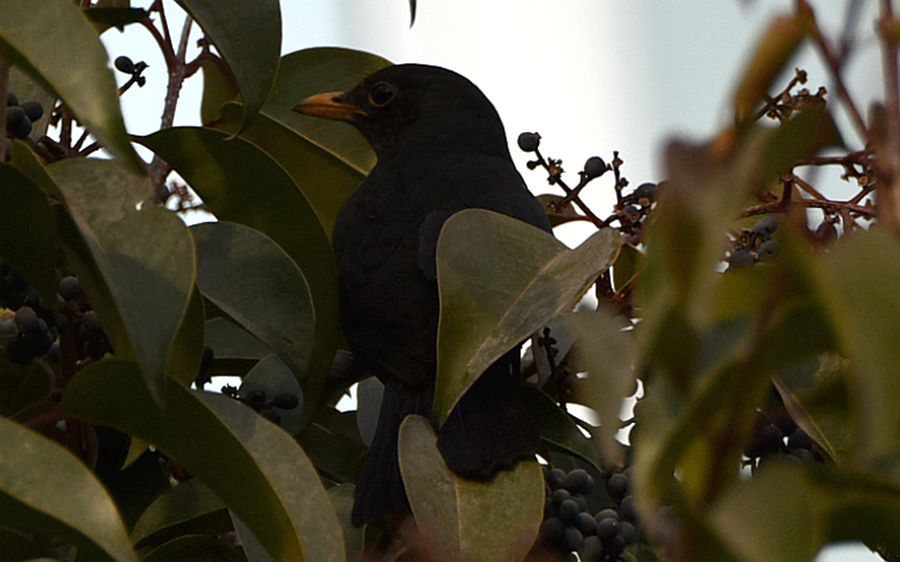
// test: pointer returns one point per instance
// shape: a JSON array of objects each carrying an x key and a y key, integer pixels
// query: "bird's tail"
[
  {"x": 379, "y": 489},
  {"x": 489, "y": 429}
]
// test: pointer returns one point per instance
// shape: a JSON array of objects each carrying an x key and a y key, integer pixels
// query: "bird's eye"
[{"x": 381, "y": 94}]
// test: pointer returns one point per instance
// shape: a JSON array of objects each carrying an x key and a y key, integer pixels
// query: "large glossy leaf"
[
  {"x": 45, "y": 489},
  {"x": 256, "y": 468},
  {"x": 341, "y": 497},
  {"x": 858, "y": 284},
  {"x": 219, "y": 86},
  {"x": 369, "y": 393},
  {"x": 247, "y": 275},
  {"x": 144, "y": 260},
  {"x": 235, "y": 349},
  {"x": 188, "y": 501},
  {"x": 31, "y": 37},
  {"x": 248, "y": 36},
  {"x": 24, "y": 213},
  {"x": 187, "y": 349},
  {"x": 240, "y": 183},
  {"x": 460, "y": 519},
  {"x": 501, "y": 279},
  {"x": 193, "y": 548},
  {"x": 813, "y": 508}
]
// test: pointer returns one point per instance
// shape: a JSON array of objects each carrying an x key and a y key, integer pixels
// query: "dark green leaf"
[
  {"x": 369, "y": 394},
  {"x": 27, "y": 232},
  {"x": 558, "y": 214},
  {"x": 30, "y": 37},
  {"x": 461, "y": 519},
  {"x": 187, "y": 349},
  {"x": 193, "y": 548},
  {"x": 341, "y": 497},
  {"x": 252, "y": 57},
  {"x": 558, "y": 429},
  {"x": 256, "y": 468},
  {"x": 45, "y": 489},
  {"x": 235, "y": 349},
  {"x": 219, "y": 86},
  {"x": 105, "y": 18},
  {"x": 188, "y": 501},
  {"x": 501, "y": 279},
  {"x": 249, "y": 276},
  {"x": 139, "y": 273}
]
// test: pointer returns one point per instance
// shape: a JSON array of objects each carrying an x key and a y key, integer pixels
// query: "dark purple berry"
[
  {"x": 11, "y": 99},
  {"x": 17, "y": 122},
  {"x": 568, "y": 511},
  {"x": 578, "y": 481},
  {"x": 124, "y": 64},
  {"x": 617, "y": 486},
  {"x": 740, "y": 258},
  {"x": 529, "y": 142},
  {"x": 573, "y": 538},
  {"x": 553, "y": 528},
  {"x": 33, "y": 110},
  {"x": 766, "y": 227},
  {"x": 557, "y": 475},
  {"x": 628, "y": 509},
  {"x": 594, "y": 167},
  {"x": 628, "y": 532},
  {"x": 27, "y": 320},
  {"x": 8, "y": 327},
  {"x": 560, "y": 496},
  {"x": 608, "y": 528},
  {"x": 70, "y": 288},
  {"x": 586, "y": 523}
]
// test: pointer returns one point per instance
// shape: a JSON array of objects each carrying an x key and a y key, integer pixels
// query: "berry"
[
  {"x": 568, "y": 511},
  {"x": 557, "y": 475},
  {"x": 578, "y": 481},
  {"x": 90, "y": 321},
  {"x": 608, "y": 528},
  {"x": 768, "y": 249},
  {"x": 70, "y": 288},
  {"x": 124, "y": 64},
  {"x": 553, "y": 528},
  {"x": 766, "y": 227},
  {"x": 529, "y": 142},
  {"x": 27, "y": 320},
  {"x": 629, "y": 512},
  {"x": 560, "y": 496},
  {"x": 607, "y": 513},
  {"x": 586, "y": 523},
  {"x": 615, "y": 546},
  {"x": 286, "y": 401},
  {"x": 740, "y": 258},
  {"x": 581, "y": 500},
  {"x": 628, "y": 532},
  {"x": 17, "y": 122},
  {"x": 593, "y": 549},
  {"x": 573, "y": 538},
  {"x": 645, "y": 191},
  {"x": 594, "y": 167},
  {"x": 11, "y": 99},
  {"x": 617, "y": 486},
  {"x": 8, "y": 327},
  {"x": 800, "y": 440},
  {"x": 33, "y": 110}
]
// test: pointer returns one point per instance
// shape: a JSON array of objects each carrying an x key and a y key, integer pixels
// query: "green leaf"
[
  {"x": 234, "y": 349},
  {"x": 31, "y": 35},
  {"x": 246, "y": 274},
  {"x": 858, "y": 282},
  {"x": 248, "y": 187},
  {"x": 188, "y": 501},
  {"x": 462, "y": 519},
  {"x": 45, "y": 489},
  {"x": 332, "y": 442},
  {"x": 341, "y": 497},
  {"x": 369, "y": 393},
  {"x": 626, "y": 267},
  {"x": 219, "y": 87},
  {"x": 106, "y": 18},
  {"x": 193, "y": 548},
  {"x": 773, "y": 52},
  {"x": 139, "y": 273},
  {"x": 28, "y": 233},
  {"x": 187, "y": 349},
  {"x": 252, "y": 57},
  {"x": 813, "y": 508},
  {"x": 257, "y": 470},
  {"x": 608, "y": 354},
  {"x": 558, "y": 429},
  {"x": 273, "y": 377},
  {"x": 22, "y": 386},
  {"x": 558, "y": 214},
  {"x": 499, "y": 280}
]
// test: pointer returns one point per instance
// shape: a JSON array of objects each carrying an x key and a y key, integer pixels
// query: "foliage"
[{"x": 761, "y": 354}]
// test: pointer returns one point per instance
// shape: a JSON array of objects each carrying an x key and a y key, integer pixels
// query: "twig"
[
  {"x": 557, "y": 180},
  {"x": 832, "y": 206},
  {"x": 888, "y": 165}
]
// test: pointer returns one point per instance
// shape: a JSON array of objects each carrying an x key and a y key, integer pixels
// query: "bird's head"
[{"x": 416, "y": 103}]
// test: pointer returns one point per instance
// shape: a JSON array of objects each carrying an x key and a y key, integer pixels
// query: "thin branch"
[
  {"x": 888, "y": 164},
  {"x": 832, "y": 206}
]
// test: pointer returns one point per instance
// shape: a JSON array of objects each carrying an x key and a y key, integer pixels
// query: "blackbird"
[{"x": 441, "y": 148}]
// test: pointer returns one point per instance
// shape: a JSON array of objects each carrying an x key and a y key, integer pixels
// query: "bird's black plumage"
[{"x": 441, "y": 148}]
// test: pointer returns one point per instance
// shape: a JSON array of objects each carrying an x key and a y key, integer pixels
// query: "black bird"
[{"x": 441, "y": 148}]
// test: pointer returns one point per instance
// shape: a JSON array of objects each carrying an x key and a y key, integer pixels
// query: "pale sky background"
[{"x": 592, "y": 76}]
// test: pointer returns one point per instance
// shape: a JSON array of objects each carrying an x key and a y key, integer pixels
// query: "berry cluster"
[
  {"x": 259, "y": 401},
  {"x": 27, "y": 329},
  {"x": 569, "y": 526},
  {"x": 21, "y": 116},
  {"x": 778, "y": 437},
  {"x": 753, "y": 245}
]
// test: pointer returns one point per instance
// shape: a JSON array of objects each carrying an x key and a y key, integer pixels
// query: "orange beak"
[{"x": 328, "y": 106}]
